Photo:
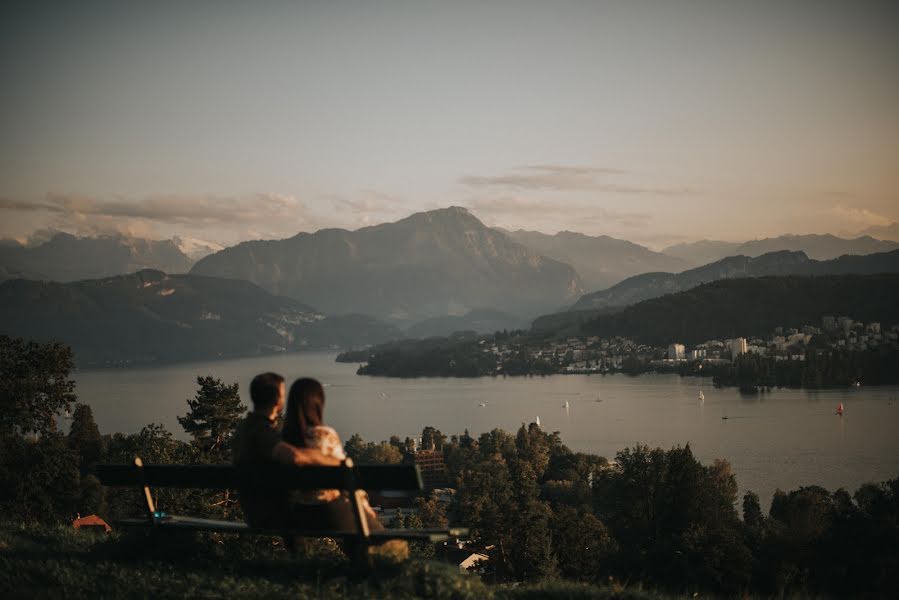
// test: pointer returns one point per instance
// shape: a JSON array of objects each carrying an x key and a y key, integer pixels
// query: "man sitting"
[{"x": 257, "y": 441}]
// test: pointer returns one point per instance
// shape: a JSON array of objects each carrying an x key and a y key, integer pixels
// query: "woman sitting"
[{"x": 325, "y": 510}]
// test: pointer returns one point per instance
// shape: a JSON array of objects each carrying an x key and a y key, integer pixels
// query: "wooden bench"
[{"x": 275, "y": 478}]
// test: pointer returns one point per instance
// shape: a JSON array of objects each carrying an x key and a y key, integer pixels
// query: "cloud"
[
  {"x": 860, "y": 217},
  {"x": 367, "y": 201},
  {"x": 564, "y": 178},
  {"x": 576, "y": 216},
  {"x": 228, "y": 217},
  {"x": 18, "y": 206}
]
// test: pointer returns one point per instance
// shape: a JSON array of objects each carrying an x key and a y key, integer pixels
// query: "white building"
[
  {"x": 677, "y": 352},
  {"x": 737, "y": 346}
]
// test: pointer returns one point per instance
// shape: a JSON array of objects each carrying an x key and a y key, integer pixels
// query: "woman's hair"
[{"x": 305, "y": 409}]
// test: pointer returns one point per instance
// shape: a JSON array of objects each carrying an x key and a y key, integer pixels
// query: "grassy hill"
[{"x": 57, "y": 562}]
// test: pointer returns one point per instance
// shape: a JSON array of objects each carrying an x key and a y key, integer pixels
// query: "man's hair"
[{"x": 265, "y": 389}]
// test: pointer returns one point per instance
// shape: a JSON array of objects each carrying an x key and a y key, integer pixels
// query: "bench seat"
[
  {"x": 198, "y": 524},
  {"x": 352, "y": 479}
]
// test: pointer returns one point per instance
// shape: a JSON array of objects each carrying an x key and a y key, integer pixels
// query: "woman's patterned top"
[{"x": 325, "y": 439}]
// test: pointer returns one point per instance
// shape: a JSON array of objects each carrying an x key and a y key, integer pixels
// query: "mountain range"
[
  {"x": 152, "y": 317},
  {"x": 441, "y": 271},
  {"x": 883, "y": 232},
  {"x": 65, "y": 257},
  {"x": 430, "y": 264},
  {"x": 819, "y": 247},
  {"x": 601, "y": 260},
  {"x": 652, "y": 285}
]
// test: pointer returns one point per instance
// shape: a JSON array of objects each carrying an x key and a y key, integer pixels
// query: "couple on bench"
[{"x": 304, "y": 441}]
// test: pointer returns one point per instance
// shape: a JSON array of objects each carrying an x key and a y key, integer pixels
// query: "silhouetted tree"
[
  {"x": 432, "y": 439},
  {"x": 212, "y": 417},
  {"x": 34, "y": 385},
  {"x": 84, "y": 437}
]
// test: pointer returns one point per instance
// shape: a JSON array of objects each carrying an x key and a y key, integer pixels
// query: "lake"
[{"x": 782, "y": 439}]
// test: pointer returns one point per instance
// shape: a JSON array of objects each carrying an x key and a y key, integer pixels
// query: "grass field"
[{"x": 59, "y": 562}]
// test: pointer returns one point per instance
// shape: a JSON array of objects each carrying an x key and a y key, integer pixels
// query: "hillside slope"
[
  {"x": 151, "y": 317},
  {"x": 601, "y": 261},
  {"x": 653, "y": 285},
  {"x": 750, "y": 307}
]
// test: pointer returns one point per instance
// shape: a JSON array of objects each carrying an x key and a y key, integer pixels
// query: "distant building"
[
  {"x": 737, "y": 347},
  {"x": 829, "y": 323},
  {"x": 432, "y": 467},
  {"x": 677, "y": 352},
  {"x": 845, "y": 323},
  {"x": 467, "y": 558},
  {"x": 697, "y": 353}
]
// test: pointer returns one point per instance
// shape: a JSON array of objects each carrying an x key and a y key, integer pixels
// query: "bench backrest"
[{"x": 268, "y": 477}]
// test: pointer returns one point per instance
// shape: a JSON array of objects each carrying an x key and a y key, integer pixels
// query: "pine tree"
[
  {"x": 84, "y": 437},
  {"x": 212, "y": 417}
]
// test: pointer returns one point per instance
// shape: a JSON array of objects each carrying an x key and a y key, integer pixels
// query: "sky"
[{"x": 657, "y": 122}]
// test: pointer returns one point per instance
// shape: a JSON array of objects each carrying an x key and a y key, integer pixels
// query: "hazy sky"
[{"x": 653, "y": 121}]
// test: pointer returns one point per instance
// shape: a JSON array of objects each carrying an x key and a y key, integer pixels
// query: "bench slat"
[
  {"x": 267, "y": 477},
  {"x": 197, "y": 524}
]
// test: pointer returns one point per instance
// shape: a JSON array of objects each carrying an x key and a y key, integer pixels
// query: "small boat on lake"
[
  {"x": 701, "y": 396},
  {"x": 840, "y": 409},
  {"x": 566, "y": 405}
]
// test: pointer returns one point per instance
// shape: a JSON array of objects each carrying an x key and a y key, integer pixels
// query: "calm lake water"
[{"x": 781, "y": 439}]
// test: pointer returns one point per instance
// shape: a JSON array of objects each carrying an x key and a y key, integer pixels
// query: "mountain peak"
[{"x": 429, "y": 264}]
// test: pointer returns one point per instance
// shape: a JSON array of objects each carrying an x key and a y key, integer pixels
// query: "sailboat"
[
  {"x": 538, "y": 420},
  {"x": 840, "y": 409},
  {"x": 566, "y": 405},
  {"x": 701, "y": 396}
]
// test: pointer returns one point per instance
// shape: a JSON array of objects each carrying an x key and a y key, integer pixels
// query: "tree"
[
  {"x": 363, "y": 452},
  {"x": 212, "y": 416},
  {"x": 530, "y": 547},
  {"x": 582, "y": 543},
  {"x": 38, "y": 479},
  {"x": 34, "y": 385},
  {"x": 752, "y": 511},
  {"x": 154, "y": 444},
  {"x": 84, "y": 437},
  {"x": 432, "y": 512},
  {"x": 673, "y": 518},
  {"x": 432, "y": 439}
]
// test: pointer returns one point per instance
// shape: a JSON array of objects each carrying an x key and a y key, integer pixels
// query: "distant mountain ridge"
[
  {"x": 883, "y": 232},
  {"x": 653, "y": 285},
  {"x": 818, "y": 247},
  {"x": 601, "y": 260},
  {"x": 151, "y": 317},
  {"x": 65, "y": 257},
  {"x": 430, "y": 264},
  {"x": 751, "y": 307},
  {"x": 480, "y": 321}
]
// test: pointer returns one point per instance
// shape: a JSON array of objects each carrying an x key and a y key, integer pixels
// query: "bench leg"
[
  {"x": 148, "y": 495},
  {"x": 360, "y": 559}
]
